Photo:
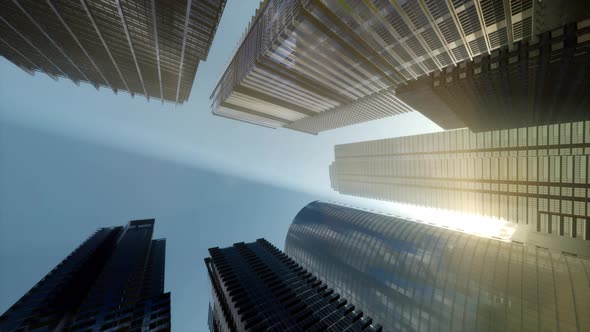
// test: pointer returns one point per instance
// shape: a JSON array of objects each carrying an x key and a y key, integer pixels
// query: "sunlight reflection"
[{"x": 464, "y": 222}]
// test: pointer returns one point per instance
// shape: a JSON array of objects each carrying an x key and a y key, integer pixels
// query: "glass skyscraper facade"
[
  {"x": 150, "y": 48},
  {"x": 315, "y": 65},
  {"x": 412, "y": 276},
  {"x": 113, "y": 281},
  {"x": 256, "y": 287},
  {"x": 536, "y": 176}
]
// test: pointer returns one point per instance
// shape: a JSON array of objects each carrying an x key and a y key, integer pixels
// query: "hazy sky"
[{"x": 73, "y": 159}]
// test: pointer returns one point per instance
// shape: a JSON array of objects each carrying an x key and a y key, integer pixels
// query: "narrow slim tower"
[
  {"x": 412, "y": 276},
  {"x": 113, "y": 280},
  {"x": 256, "y": 287},
  {"x": 535, "y": 176}
]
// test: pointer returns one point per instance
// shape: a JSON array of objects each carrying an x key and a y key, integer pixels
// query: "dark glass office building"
[
  {"x": 149, "y": 47},
  {"x": 412, "y": 276},
  {"x": 114, "y": 281},
  {"x": 256, "y": 287}
]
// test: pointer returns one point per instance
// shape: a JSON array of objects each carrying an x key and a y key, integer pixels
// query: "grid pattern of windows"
[
  {"x": 535, "y": 175},
  {"x": 113, "y": 281},
  {"x": 508, "y": 87},
  {"x": 316, "y": 65},
  {"x": 42, "y": 306},
  {"x": 145, "y": 47},
  {"x": 258, "y": 288},
  {"x": 411, "y": 276}
]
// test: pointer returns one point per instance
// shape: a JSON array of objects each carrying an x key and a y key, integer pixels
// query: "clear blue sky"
[{"x": 73, "y": 159}]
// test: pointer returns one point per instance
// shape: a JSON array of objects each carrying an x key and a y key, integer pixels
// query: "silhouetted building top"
[
  {"x": 113, "y": 280},
  {"x": 151, "y": 48},
  {"x": 256, "y": 287},
  {"x": 316, "y": 65},
  {"x": 534, "y": 176},
  {"x": 412, "y": 276}
]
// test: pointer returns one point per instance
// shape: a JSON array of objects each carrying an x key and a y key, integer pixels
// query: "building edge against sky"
[
  {"x": 317, "y": 65},
  {"x": 114, "y": 279},
  {"x": 256, "y": 287},
  {"x": 535, "y": 176},
  {"x": 410, "y": 275},
  {"x": 150, "y": 48}
]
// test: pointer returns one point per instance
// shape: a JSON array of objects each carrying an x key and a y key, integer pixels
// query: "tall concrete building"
[
  {"x": 256, "y": 287},
  {"x": 535, "y": 176},
  {"x": 113, "y": 281},
  {"x": 150, "y": 48},
  {"x": 315, "y": 65},
  {"x": 412, "y": 276}
]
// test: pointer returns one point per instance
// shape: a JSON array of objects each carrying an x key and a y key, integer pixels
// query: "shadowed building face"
[
  {"x": 256, "y": 287},
  {"x": 412, "y": 276},
  {"x": 113, "y": 280}
]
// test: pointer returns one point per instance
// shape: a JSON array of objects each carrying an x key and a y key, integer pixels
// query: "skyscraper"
[
  {"x": 412, "y": 276},
  {"x": 150, "y": 48},
  {"x": 113, "y": 281},
  {"x": 543, "y": 81},
  {"x": 255, "y": 287},
  {"x": 536, "y": 176},
  {"x": 315, "y": 65}
]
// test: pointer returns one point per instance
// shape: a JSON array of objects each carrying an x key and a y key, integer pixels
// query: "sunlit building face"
[
  {"x": 413, "y": 276},
  {"x": 318, "y": 65},
  {"x": 535, "y": 176}
]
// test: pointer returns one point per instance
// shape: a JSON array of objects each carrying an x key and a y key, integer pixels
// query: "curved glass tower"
[{"x": 416, "y": 277}]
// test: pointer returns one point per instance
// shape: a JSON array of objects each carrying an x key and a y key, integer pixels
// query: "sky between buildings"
[{"x": 73, "y": 159}]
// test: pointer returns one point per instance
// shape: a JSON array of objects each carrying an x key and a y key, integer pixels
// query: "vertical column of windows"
[
  {"x": 503, "y": 138},
  {"x": 407, "y": 261},
  {"x": 530, "y": 291},
  {"x": 547, "y": 301},
  {"x": 563, "y": 291},
  {"x": 472, "y": 285},
  {"x": 580, "y": 288},
  {"x": 554, "y": 208},
  {"x": 522, "y": 137},
  {"x": 532, "y": 136},
  {"x": 461, "y": 285},
  {"x": 485, "y": 292},
  {"x": 421, "y": 274},
  {"x": 553, "y": 135},
  {"x": 582, "y": 226},
  {"x": 514, "y": 288},
  {"x": 542, "y": 133},
  {"x": 500, "y": 296},
  {"x": 504, "y": 205},
  {"x": 452, "y": 276},
  {"x": 432, "y": 305}
]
